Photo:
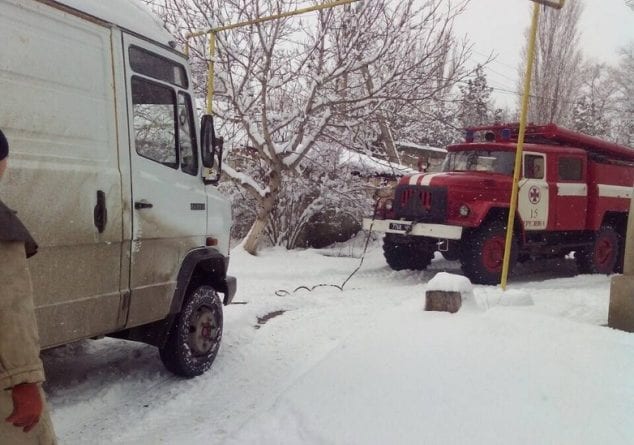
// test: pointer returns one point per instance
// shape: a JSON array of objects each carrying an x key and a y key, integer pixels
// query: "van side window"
[
  {"x": 569, "y": 169},
  {"x": 157, "y": 67},
  {"x": 533, "y": 166},
  {"x": 187, "y": 135},
  {"x": 154, "y": 122}
]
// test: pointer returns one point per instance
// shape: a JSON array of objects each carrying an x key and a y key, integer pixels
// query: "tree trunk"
[
  {"x": 253, "y": 238},
  {"x": 386, "y": 134}
]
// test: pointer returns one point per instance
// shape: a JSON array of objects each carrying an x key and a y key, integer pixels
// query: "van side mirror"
[{"x": 211, "y": 150}]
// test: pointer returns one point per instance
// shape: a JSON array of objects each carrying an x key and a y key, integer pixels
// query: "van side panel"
[{"x": 58, "y": 111}]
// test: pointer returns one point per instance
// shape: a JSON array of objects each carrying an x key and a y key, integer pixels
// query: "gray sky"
[{"x": 498, "y": 26}]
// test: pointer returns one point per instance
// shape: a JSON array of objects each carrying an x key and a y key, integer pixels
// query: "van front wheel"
[{"x": 194, "y": 339}]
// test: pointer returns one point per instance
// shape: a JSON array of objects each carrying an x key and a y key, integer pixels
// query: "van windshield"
[{"x": 480, "y": 160}]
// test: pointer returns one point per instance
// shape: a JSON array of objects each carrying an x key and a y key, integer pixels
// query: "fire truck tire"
[
  {"x": 603, "y": 255},
  {"x": 400, "y": 256},
  {"x": 452, "y": 253},
  {"x": 482, "y": 253}
]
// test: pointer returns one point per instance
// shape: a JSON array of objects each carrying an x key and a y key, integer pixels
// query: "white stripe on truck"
[
  {"x": 422, "y": 178},
  {"x": 614, "y": 191},
  {"x": 414, "y": 178},
  {"x": 572, "y": 189}
]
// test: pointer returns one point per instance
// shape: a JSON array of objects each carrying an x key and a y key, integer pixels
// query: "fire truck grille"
[{"x": 420, "y": 203}]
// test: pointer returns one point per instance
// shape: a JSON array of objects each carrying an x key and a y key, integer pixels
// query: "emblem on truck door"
[
  {"x": 534, "y": 195},
  {"x": 197, "y": 206}
]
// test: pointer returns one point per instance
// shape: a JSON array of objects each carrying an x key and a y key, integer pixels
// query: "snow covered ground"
[{"x": 367, "y": 365}]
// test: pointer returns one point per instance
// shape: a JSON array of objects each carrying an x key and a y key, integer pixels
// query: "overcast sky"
[{"x": 498, "y": 26}]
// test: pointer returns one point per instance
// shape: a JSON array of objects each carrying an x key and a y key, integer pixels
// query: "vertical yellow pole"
[
  {"x": 210, "y": 79},
  {"x": 520, "y": 145}
]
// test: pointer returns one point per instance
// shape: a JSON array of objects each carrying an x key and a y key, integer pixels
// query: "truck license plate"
[{"x": 400, "y": 226}]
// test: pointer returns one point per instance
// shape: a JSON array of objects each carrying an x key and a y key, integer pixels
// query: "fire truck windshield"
[{"x": 480, "y": 160}]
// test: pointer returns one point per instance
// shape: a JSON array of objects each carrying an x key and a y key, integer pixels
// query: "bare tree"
[
  {"x": 476, "y": 107},
  {"x": 604, "y": 105},
  {"x": 623, "y": 118},
  {"x": 287, "y": 84},
  {"x": 595, "y": 100},
  {"x": 557, "y": 64}
]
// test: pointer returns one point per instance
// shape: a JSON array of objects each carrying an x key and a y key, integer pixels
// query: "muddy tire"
[
  {"x": 604, "y": 255},
  {"x": 194, "y": 339},
  {"x": 482, "y": 253},
  {"x": 407, "y": 255}
]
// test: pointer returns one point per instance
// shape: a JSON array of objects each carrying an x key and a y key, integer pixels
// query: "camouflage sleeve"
[{"x": 19, "y": 342}]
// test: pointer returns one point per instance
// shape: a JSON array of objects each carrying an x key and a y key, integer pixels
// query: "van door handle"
[
  {"x": 100, "y": 213},
  {"x": 143, "y": 204}
]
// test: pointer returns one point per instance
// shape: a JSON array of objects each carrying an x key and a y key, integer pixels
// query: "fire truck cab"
[{"x": 574, "y": 193}]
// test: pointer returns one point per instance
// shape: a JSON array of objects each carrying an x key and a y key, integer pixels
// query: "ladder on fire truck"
[{"x": 554, "y": 134}]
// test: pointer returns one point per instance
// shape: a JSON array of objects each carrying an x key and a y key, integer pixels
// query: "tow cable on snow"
[{"x": 284, "y": 292}]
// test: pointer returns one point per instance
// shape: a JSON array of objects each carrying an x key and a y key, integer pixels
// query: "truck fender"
[
  {"x": 200, "y": 266},
  {"x": 481, "y": 211},
  {"x": 485, "y": 211},
  {"x": 204, "y": 265},
  {"x": 501, "y": 212}
]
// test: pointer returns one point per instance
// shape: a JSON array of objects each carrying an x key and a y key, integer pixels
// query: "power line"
[
  {"x": 552, "y": 99},
  {"x": 495, "y": 60}
]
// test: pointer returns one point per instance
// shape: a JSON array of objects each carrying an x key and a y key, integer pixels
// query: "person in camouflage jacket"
[{"x": 24, "y": 418}]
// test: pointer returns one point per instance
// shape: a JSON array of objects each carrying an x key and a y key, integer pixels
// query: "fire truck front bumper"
[{"x": 441, "y": 231}]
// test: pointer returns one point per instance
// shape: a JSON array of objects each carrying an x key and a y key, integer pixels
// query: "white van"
[{"x": 115, "y": 178}]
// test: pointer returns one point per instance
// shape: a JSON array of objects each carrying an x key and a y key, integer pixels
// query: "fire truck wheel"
[
  {"x": 483, "y": 252},
  {"x": 452, "y": 253},
  {"x": 408, "y": 255},
  {"x": 604, "y": 253}
]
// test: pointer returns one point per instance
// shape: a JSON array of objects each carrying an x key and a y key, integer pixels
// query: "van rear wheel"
[{"x": 194, "y": 339}]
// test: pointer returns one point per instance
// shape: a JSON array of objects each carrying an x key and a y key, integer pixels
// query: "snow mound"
[
  {"x": 448, "y": 282},
  {"x": 516, "y": 297},
  {"x": 497, "y": 297}
]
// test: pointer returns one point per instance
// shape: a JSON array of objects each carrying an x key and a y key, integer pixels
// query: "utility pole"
[{"x": 532, "y": 37}]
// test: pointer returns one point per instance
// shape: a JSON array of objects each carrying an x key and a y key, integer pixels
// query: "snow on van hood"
[{"x": 128, "y": 14}]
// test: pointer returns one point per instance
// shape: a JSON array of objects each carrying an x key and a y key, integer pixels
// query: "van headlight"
[{"x": 464, "y": 210}]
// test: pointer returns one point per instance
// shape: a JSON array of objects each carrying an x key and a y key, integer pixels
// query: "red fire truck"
[{"x": 574, "y": 193}]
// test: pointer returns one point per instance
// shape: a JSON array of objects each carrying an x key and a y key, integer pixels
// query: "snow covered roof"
[
  {"x": 420, "y": 147},
  {"x": 127, "y": 14},
  {"x": 367, "y": 164}
]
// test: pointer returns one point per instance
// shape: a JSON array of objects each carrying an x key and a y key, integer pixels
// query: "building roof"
[
  {"x": 406, "y": 144},
  {"x": 367, "y": 165}
]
